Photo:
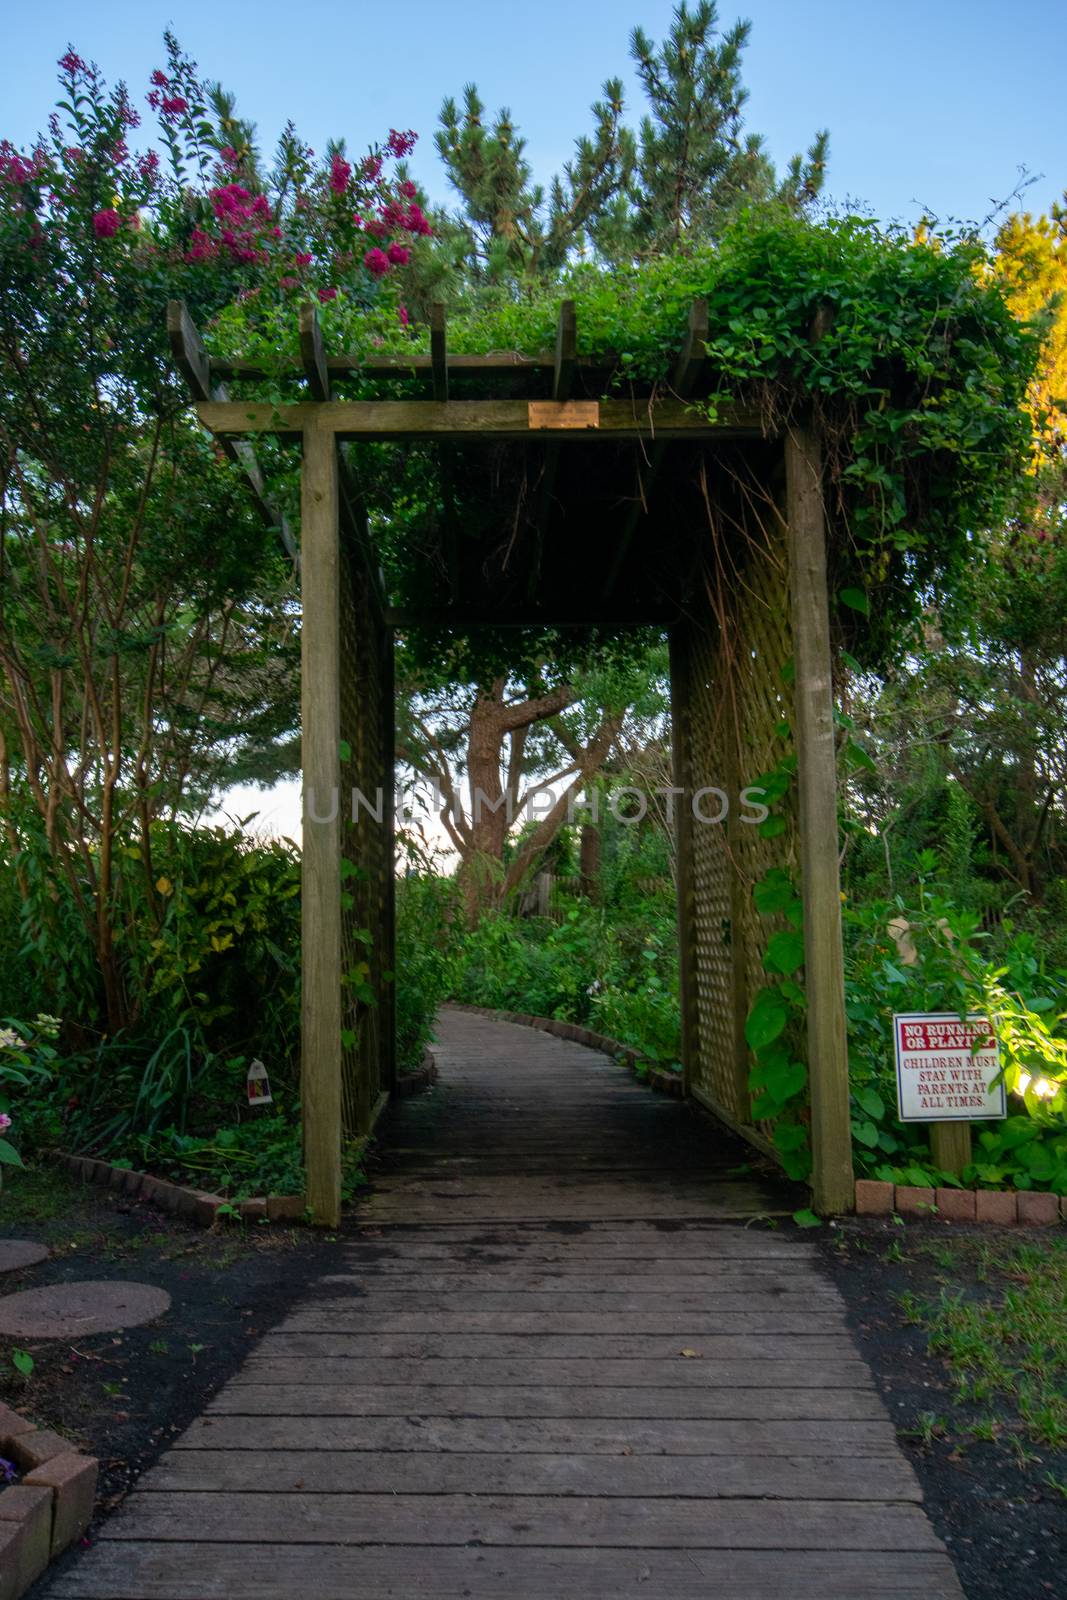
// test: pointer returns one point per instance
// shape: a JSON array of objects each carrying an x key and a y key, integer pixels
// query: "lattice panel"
[
  {"x": 738, "y": 698},
  {"x": 366, "y": 844}
]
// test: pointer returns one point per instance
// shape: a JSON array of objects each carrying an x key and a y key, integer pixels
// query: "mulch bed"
[
  {"x": 124, "y": 1397},
  {"x": 1005, "y": 1527}
]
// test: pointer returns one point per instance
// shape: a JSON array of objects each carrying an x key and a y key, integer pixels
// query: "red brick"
[
  {"x": 915, "y": 1202},
  {"x": 252, "y": 1210},
  {"x": 72, "y": 1482},
  {"x": 286, "y": 1207},
  {"x": 31, "y": 1450},
  {"x": 1037, "y": 1210},
  {"x": 27, "y": 1509},
  {"x": 996, "y": 1205},
  {"x": 132, "y": 1182},
  {"x": 204, "y": 1207},
  {"x": 873, "y": 1198},
  {"x": 955, "y": 1205},
  {"x": 12, "y": 1424}
]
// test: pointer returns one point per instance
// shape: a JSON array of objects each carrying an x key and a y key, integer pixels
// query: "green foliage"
[{"x": 426, "y": 909}]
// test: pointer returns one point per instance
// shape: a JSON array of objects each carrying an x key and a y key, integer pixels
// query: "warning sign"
[{"x": 947, "y": 1068}]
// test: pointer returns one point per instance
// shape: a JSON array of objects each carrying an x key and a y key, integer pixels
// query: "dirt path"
[{"x": 554, "y": 1363}]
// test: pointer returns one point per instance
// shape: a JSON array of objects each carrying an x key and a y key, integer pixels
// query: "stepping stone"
[
  {"x": 73, "y": 1310},
  {"x": 16, "y": 1253}
]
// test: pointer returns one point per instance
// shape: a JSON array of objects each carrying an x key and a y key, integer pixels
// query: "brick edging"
[
  {"x": 1001, "y": 1207},
  {"x": 48, "y": 1509},
  {"x": 655, "y": 1075},
  {"x": 194, "y": 1205}
]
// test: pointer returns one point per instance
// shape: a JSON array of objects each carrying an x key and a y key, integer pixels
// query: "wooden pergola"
[{"x": 693, "y": 518}]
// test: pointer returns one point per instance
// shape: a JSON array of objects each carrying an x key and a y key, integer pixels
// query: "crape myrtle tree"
[
  {"x": 625, "y": 196},
  {"x": 147, "y": 618}
]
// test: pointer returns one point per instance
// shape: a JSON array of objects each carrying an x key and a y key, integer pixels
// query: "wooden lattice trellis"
[
  {"x": 729, "y": 696},
  {"x": 730, "y": 663}
]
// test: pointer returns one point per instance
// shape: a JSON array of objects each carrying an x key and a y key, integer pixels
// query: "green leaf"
[
  {"x": 806, "y": 1218},
  {"x": 23, "y": 1362},
  {"x": 785, "y": 952},
  {"x": 872, "y": 1103},
  {"x": 866, "y": 1133},
  {"x": 9, "y": 1156},
  {"x": 771, "y": 827},
  {"x": 856, "y": 600},
  {"x": 764, "y": 1023}
]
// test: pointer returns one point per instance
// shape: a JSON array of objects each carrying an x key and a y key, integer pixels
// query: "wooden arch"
[{"x": 551, "y": 410}]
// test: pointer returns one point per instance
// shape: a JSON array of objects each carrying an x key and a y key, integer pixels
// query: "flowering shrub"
[{"x": 26, "y": 1054}]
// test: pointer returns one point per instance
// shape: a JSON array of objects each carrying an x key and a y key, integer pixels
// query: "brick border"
[
  {"x": 1003, "y": 1208},
  {"x": 48, "y": 1509},
  {"x": 193, "y": 1205},
  {"x": 422, "y": 1077},
  {"x": 653, "y": 1074}
]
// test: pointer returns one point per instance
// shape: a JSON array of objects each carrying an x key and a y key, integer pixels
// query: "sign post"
[{"x": 948, "y": 1074}]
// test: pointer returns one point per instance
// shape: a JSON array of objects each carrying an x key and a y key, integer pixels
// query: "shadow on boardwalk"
[{"x": 556, "y": 1364}]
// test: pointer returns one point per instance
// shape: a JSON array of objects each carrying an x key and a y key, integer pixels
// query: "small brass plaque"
[{"x": 564, "y": 414}]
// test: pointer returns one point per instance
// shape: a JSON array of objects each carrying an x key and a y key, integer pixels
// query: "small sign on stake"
[
  {"x": 948, "y": 1068},
  {"x": 258, "y": 1085}
]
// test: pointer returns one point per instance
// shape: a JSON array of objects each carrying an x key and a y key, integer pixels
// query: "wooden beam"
[
  {"x": 824, "y": 974},
  {"x": 566, "y": 364},
  {"x": 688, "y": 370},
  {"x": 190, "y": 358},
  {"x": 950, "y": 1146},
  {"x": 320, "y": 876},
  {"x": 476, "y": 420},
  {"x": 312, "y": 354},
  {"x": 439, "y": 352},
  {"x": 465, "y": 616}
]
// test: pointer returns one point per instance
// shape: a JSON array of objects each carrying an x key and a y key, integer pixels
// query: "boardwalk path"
[{"x": 556, "y": 1365}]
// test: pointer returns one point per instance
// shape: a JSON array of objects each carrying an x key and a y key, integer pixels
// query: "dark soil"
[
  {"x": 1003, "y": 1523},
  {"x": 125, "y": 1396}
]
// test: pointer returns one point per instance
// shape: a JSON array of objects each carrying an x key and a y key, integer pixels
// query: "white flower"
[
  {"x": 47, "y": 1025},
  {"x": 9, "y": 1040}
]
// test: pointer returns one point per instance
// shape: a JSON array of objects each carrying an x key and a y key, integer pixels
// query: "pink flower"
[
  {"x": 404, "y": 315},
  {"x": 173, "y": 105},
  {"x": 402, "y": 144},
  {"x": 372, "y": 167},
  {"x": 72, "y": 63},
  {"x": 376, "y": 262},
  {"x": 106, "y": 224},
  {"x": 160, "y": 79},
  {"x": 340, "y": 173},
  {"x": 327, "y": 294},
  {"x": 5, "y": 1122},
  {"x": 399, "y": 255},
  {"x": 408, "y": 190},
  {"x": 303, "y": 258},
  {"x": 288, "y": 283}
]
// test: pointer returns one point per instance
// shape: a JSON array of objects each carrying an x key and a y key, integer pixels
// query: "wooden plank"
[
  {"x": 547, "y": 1305},
  {"x": 321, "y": 856},
  {"x": 475, "y": 420},
  {"x": 490, "y": 1280},
  {"x": 366, "y": 1472},
  {"x": 353, "y": 1399},
  {"x": 312, "y": 354},
  {"x": 837, "y": 1421},
  {"x": 195, "y": 1570},
  {"x": 329, "y": 1317},
  {"x": 390, "y": 1379},
  {"x": 580, "y": 612},
  {"x": 508, "y": 1520},
  {"x": 284, "y": 1340},
  {"x": 833, "y": 1186}
]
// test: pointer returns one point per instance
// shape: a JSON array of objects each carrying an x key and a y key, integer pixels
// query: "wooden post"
[
  {"x": 681, "y": 756},
  {"x": 832, "y": 1180},
  {"x": 950, "y": 1146},
  {"x": 320, "y": 910}
]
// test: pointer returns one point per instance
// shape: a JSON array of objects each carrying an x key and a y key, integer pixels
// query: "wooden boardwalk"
[{"x": 556, "y": 1365}]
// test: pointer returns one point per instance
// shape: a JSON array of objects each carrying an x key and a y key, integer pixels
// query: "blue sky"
[{"x": 930, "y": 103}]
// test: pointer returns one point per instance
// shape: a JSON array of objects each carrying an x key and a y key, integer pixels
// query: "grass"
[{"x": 1000, "y": 1324}]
